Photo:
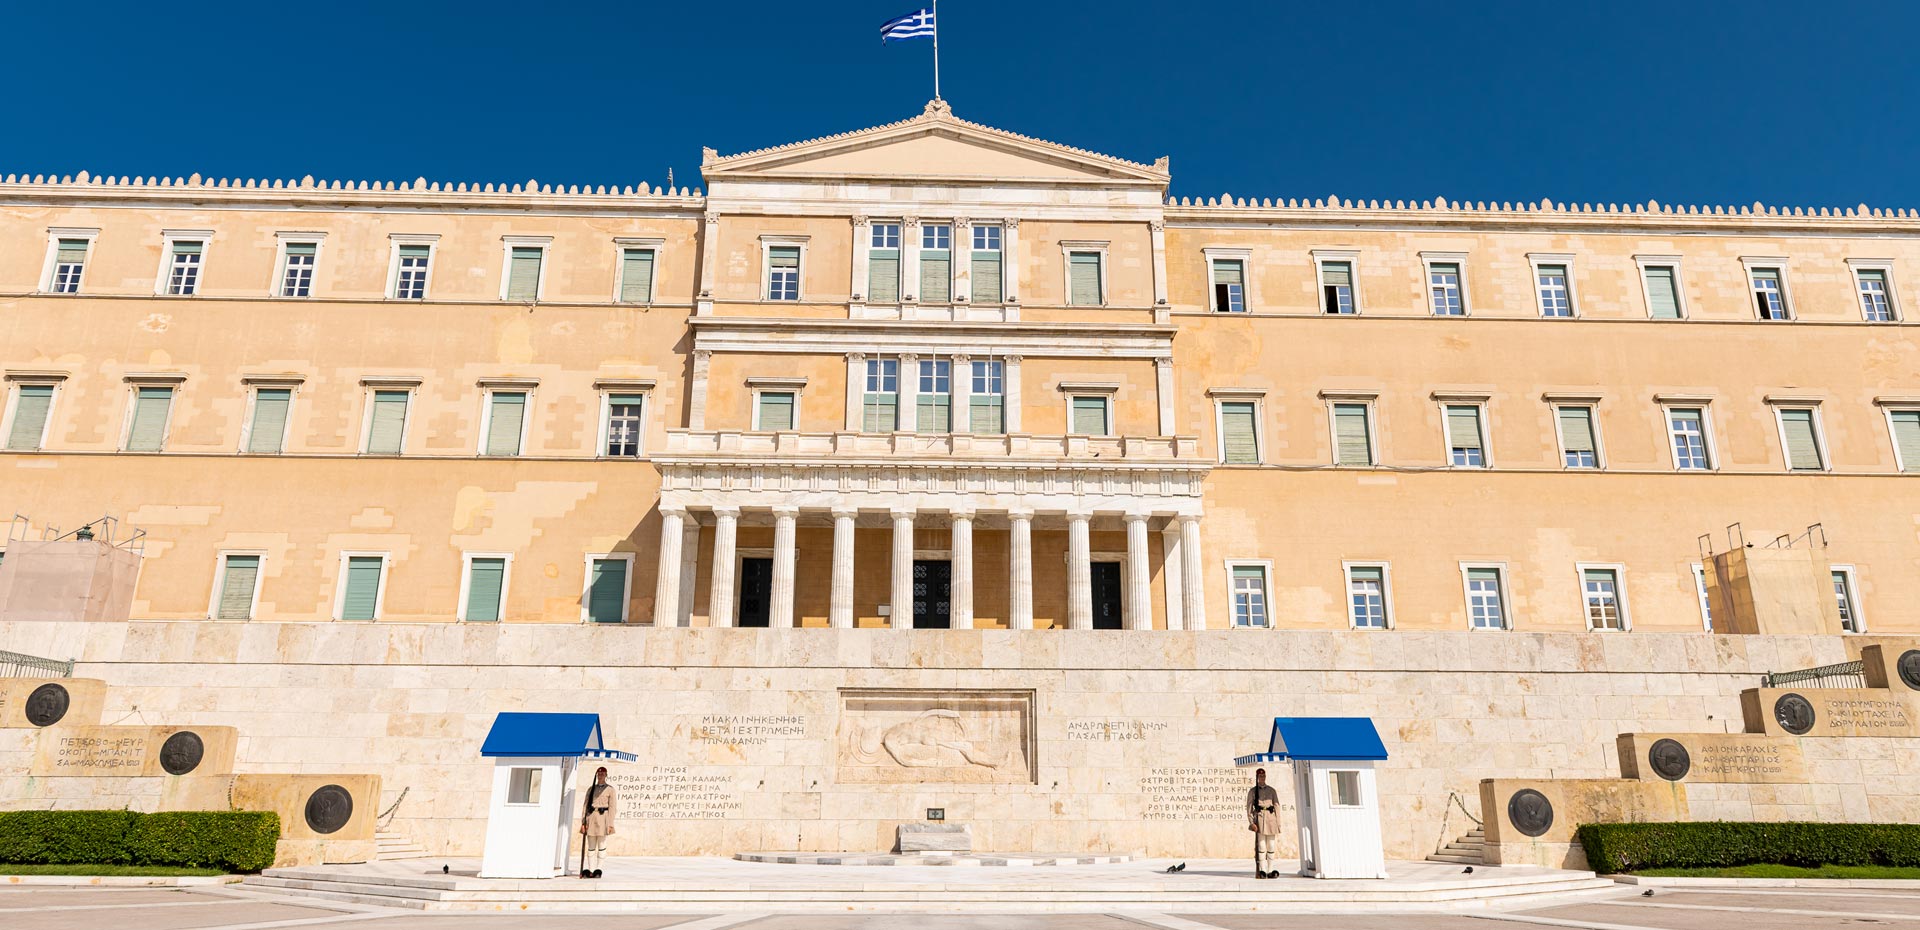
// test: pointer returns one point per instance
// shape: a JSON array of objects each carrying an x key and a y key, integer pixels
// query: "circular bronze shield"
[
  {"x": 1530, "y": 812},
  {"x": 47, "y": 704},
  {"x": 1794, "y": 714},
  {"x": 181, "y": 753},
  {"x": 1669, "y": 759},
  {"x": 1909, "y": 666},
  {"x": 329, "y": 808}
]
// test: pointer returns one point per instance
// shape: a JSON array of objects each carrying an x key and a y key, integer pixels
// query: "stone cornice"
[
  {"x": 892, "y": 337},
  {"x": 307, "y": 193},
  {"x": 1755, "y": 219}
]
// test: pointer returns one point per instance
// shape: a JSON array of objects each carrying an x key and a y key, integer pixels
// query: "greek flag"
[{"x": 915, "y": 25}]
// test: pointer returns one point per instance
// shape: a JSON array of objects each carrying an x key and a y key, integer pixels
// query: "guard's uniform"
[
  {"x": 597, "y": 822},
  {"x": 1263, "y": 815}
]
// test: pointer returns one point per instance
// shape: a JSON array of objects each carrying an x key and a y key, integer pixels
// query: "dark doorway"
[
  {"x": 932, "y": 595},
  {"x": 1106, "y": 595},
  {"x": 756, "y": 591}
]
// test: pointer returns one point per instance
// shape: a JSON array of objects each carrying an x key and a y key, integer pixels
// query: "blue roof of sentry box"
[
  {"x": 1312, "y": 739},
  {"x": 523, "y": 734}
]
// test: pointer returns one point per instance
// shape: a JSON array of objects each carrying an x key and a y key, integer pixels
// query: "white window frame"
[
  {"x": 794, "y": 386},
  {"x": 1459, "y": 261},
  {"x": 1853, "y": 597},
  {"x": 277, "y": 288},
  {"x": 1643, "y": 262},
  {"x": 220, "y": 581},
  {"x": 379, "y": 594},
  {"x": 1506, "y": 596},
  {"x": 1888, "y": 407},
  {"x": 1245, "y": 258},
  {"x": 1320, "y": 259},
  {"x": 168, "y": 237},
  {"x": 371, "y": 387},
  {"x": 1334, "y": 777},
  {"x": 134, "y": 384},
  {"x": 626, "y": 594},
  {"x": 1334, "y": 400},
  {"x": 536, "y": 775},
  {"x": 609, "y": 388},
  {"x": 1479, "y": 403},
  {"x": 54, "y": 235},
  {"x": 1067, "y": 248},
  {"x": 1564, "y": 259},
  {"x": 621, "y": 246},
  {"x": 432, "y": 242},
  {"x": 1854, "y": 267},
  {"x": 1386, "y": 591},
  {"x": 1103, "y": 390},
  {"x": 1266, "y": 591},
  {"x": 1780, "y": 404},
  {"x": 1667, "y": 406},
  {"x": 466, "y": 582},
  {"x": 488, "y": 388},
  {"x": 1700, "y": 594},
  {"x": 1556, "y": 401},
  {"x": 767, "y": 245},
  {"x": 507, "y": 245},
  {"x": 1749, "y": 264},
  {"x": 1256, "y": 397},
  {"x": 15, "y": 383},
  {"x": 254, "y": 385},
  {"x": 1619, "y": 571}
]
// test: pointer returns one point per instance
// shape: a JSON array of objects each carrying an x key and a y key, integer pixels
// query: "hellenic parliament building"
[{"x": 937, "y": 466}]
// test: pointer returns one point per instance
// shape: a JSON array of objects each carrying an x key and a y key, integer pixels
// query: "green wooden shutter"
[
  {"x": 186, "y": 248},
  {"x": 150, "y": 408},
  {"x": 985, "y": 415},
  {"x": 1663, "y": 297},
  {"x": 1576, "y": 429},
  {"x": 1352, "y": 444},
  {"x": 935, "y": 414},
  {"x": 1803, "y": 447},
  {"x": 389, "y": 423},
  {"x": 784, "y": 256},
  {"x": 986, "y": 277},
  {"x": 523, "y": 273},
  {"x": 776, "y": 410},
  {"x": 302, "y": 248},
  {"x": 1336, "y": 274},
  {"x": 31, "y": 404},
  {"x": 416, "y": 251},
  {"x": 636, "y": 276},
  {"x": 881, "y": 412},
  {"x": 270, "y": 407},
  {"x": 1483, "y": 574},
  {"x": 1083, "y": 279},
  {"x": 607, "y": 593},
  {"x": 1237, "y": 433},
  {"x": 236, "y": 588},
  {"x": 363, "y": 587},
  {"x": 508, "y": 412},
  {"x": 71, "y": 252},
  {"x": 883, "y": 276},
  {"x": 936, "y": 276},
  {"x": 1228, "y": 271},
  {"x": 1906, "y": 437},
  {"x": 1463, "y": 427},
  {"x": 1090, "y": 416},
  {"x": 485, "y": 577}
]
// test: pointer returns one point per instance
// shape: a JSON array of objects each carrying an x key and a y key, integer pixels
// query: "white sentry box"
[
  {"x": 533, "y": 815},
  {"x": 1335, "y": 794}
]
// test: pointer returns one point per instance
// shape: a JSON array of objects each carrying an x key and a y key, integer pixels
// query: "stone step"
[{"x": 1457, "y": 858}]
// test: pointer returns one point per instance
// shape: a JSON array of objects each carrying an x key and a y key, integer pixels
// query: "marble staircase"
[{"x": 1467, "y": 850}]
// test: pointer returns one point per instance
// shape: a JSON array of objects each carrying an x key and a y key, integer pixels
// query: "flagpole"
[{"x": 936, "y": 49}]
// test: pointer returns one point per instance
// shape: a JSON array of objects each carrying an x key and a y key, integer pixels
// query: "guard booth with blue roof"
[
  {"x": 534, "y": 814},
  {"x": 1336, "y": 799}
]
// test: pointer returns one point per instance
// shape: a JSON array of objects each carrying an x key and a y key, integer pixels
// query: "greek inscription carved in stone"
[
  {"x": 1863, "y": 717},
  {"x": 47, "y": 704},
  {"x": 1114, "y": 731},
  {"x": 181, "y": 753},
  {"x": 748, "y": 729},
  {"x": 329, "y": 808},
  {"x": 677, "y": 792},
  {"x": 1669, "y": 759},
  {"x": 1530, "y": 811},
  {"x": 1196, "y": 793},
  {"x": 99, "y": 755},
  {"x": 1909, "y": 666},
  {"x": 1794, "y": 714}
]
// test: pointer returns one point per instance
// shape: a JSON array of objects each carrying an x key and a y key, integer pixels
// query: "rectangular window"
[
  {"x": 1239, "y": 433},
  {"x": 267, "y": 432},
  {"x": 296, "y": 276},
  {"x": 486, "y": 584},
  {"x": 1663, "y": 292},
  {"x": 1577, "y": 444},
  {"x": 506, "y": 415},
  {"x": 152, "y": 406},
  {"x": 1090, "y": 415},
  {"x": 1875, "y": 302},
  {"x": 783, "y": 272},
  {"x": 624, "y": 424},
  {"x": 636, "y": 276},
  {"x": 1343, "y": 789},
  {"x": 936, "y": 263},
  {"x": 774, "y": 411},
  {"x": 360, "y": 595},
  {"x": 1801, "y": 438},
  {"x": 1367, "y": 596},
  {"x": 1688, "y": 428},
  {"x": 607, "y": 591},
  {"x": 1700, "y": 591},
  {"x": 1845, "y": 599},
  {"x": 1249, "y": 596},
  {"x": 1556, "y": 294},
  {"x": 69, "y": 263},
  {"x": 1352, "y": 435},
  {"x": 1229, "y": 285},
  {"x": 1464, "y": 436},
  {"x": 1769, "y": 297},
  {"x": 987, "y": 402},
  {"x": 410, "y": 272},
  {"x": 1443, "y": 285},
  {"x": 880, "y": 404},
  {"x": 523, "y": 785},
  {"x": 987, "y": 281},
  {"x": 239, "y": 576},
  {"x": 935, "y": 399},
  {"x": 1486, "y": 601},
  {"x": 1083, "y": 279},
  {"x": 32, "y": 406},
  {"x": 883, "y": 264},
  {"x": 387, "y": 422},
  {"x": 523, "y": 272},
  {"x": 1906, "y": 438},
  {"x": 1601, "y": 587},
  {"x": 1336, "y": 287},
  {"x": 183, "y": 268}
]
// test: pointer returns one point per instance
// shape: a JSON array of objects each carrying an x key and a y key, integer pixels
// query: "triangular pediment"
[{"x": 934, "y": 146}]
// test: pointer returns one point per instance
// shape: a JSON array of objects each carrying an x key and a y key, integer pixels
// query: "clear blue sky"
[{"x": 1690, "y": 101}]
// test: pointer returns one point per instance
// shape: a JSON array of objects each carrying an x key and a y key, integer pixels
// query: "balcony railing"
[
  {"x": 1130, "y": 450},
  {"x": 1843, "y": 675},
  {"x": 19, "y": 665}
]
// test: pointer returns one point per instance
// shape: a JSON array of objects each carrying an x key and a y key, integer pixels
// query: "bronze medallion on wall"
[
  {"x": 1794, "y": 714},
  {"x": 1530, "y": 811},
  {"x": 181, "y": 753},
  {"x": 329, "y": 808},
  {"x": 47, "y": 704},
  {"x": 1909, "y": 666},
  {"x": 1669, "y": 759}
]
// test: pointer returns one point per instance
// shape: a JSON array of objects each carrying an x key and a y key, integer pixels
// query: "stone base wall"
[{"x": 828, "y": 740}]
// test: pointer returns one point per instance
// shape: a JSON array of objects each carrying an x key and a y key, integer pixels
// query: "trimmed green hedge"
[
  {"x": 1628, "y": 847},
  {"x": 236, "y": 841}
]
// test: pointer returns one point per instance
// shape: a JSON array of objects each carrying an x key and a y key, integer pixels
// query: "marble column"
[
  {"x": 689, "y": 569},
  {"x": 1173, "y": 575},
  {"x": 902, "y": 602},
  {"x": 1192, "y": 583},
  {"x": 1020, "y": 570},
  {"x": 666, "y": 591},
  {"x": 1139, "y": 601},
  {"x": 840, "y": 612},
  {"x": 726, "y": 524},
  {"x": 1079, "y": 574},
  {"x": 961, "y": 600},
  {"x": 780, "y": 609}
]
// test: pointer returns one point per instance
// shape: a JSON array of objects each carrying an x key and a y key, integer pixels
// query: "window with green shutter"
[
  {"x": 267, "y": 432},
  {"x": 523, "y": 272},
  {"x": 1352, "y": 435},
  {"x": 151, "y": 408},
  {"x": 1090, "y": 415},
  {"x": 1229, "y": 285},
  {"x": 1464, "y": 444},
  {"x": 883, "y": 264},
  {"x": 1906, "y": 438},
  {"x": 880, "y": 403},
  {"x": 1576, "y": 437},
  {"x": 636, "y": 276},
  {"x": 32, "y": 403},
  {"x": 775, "y": 411},
  {"x": 486, "y": 579},
  {"x": 934, "y": 400},
  {"x": 936, "y": 263},
  {"x": 1336, "y": 287},
  {"x": 237, "y": 580},
  {"x": 987, "y": 402},
  {"x": 506, "y": 414},
  {"x": 1802, "y": 441},
  {"x": 69, "y": 262},
  {"x": 387, "y": 422},
  {"x": 361, "y": 598},
  {"x": 607, "y": 591},
  {"x": 1238, "y": 436},
  {"x": 783, "y": 272},
  {"x": 987, "y": 282},
  {"x": 1083, "y": 279},
  {"x": 1663, "y": 292}
]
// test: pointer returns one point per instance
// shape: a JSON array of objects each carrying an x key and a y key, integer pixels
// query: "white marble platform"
[{"x": 1014, "y": 860}]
